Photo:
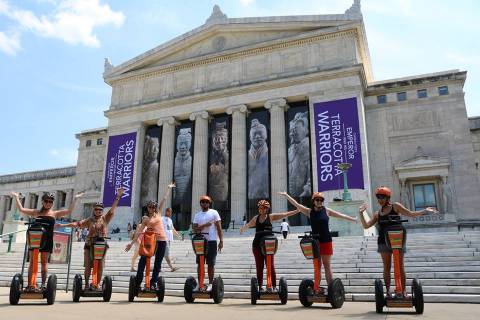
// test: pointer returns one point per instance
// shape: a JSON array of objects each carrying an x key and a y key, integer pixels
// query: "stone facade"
[{"x": 411, "y": 130}]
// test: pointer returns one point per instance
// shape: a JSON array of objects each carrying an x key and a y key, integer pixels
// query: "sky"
[{"x": 52, "y": 56}]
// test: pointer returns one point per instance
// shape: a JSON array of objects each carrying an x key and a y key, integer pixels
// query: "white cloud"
[
  {"x": 68, "y": 156},
  {"x": 246, "y": 2},
  {"x": 72, "y": 21},
  {"x": 10, "y": 44}
]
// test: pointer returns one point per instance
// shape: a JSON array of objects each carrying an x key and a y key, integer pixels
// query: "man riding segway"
[{"x": 207, "y": 229}]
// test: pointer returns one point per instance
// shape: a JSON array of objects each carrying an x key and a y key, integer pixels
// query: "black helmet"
[
  {"x": 98, "y": 205},
  {"x": 49, "y": 196},
  {"x": 152, "y": 203}
]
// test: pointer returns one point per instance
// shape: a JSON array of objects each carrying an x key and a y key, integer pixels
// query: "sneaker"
[
  {"x": 209, "y": 288},
  {"x": 261, "y": 290}
]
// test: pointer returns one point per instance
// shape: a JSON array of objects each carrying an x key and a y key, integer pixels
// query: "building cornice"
[
  {"x": 356, "y": 70},
  {"x": 38, "y": 175}
]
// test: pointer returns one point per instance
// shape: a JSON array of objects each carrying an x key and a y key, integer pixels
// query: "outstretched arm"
[
  {"x": 372, "y": 221},
  {"x": 413, "y": 214},
  {"x": 111, "y": 212},
  {"x": 164, "y": 199},
  {"x": 26, "y": 211},
  {"x": 301, "y": 208},
  {"x": 282, "y": 215},
  {"x": 336, "y": 214},
  {"x": 61, "y": 213},
  {"x": 248, "y": 225}
]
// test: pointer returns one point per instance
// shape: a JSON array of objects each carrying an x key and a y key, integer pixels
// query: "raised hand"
[
  {"x": 14, "y": 194},
  {"x": 431, "y": 210},
  {"x": 282, "y": 193},
  {"x": 171, "y": 185},
  {"x": 79, "y": 195},
  {"x": 362, "y": 208},
  {"x": 120, "y": 192}
]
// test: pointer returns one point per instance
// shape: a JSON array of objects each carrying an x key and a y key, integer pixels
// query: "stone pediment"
[
  {"x": 221, "y": 34},
  {"x": 422, "y": 166}
]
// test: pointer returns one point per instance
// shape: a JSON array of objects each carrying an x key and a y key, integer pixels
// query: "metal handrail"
[{"x": 11, "y": 233}]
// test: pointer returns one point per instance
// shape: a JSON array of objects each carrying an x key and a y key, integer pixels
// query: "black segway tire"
[
  {"x": 132, "y": 288},
  {"x": 417, "y": 296},
  {"x": 190, "y": 285},
  {"x": 51, "y": 291},
  {"x": 16, "y": 289},
  {"x": 283, "y": 292},
  {"x": 253, "y": 290},
  {"x": 107, "y": 285},
  {"x": 217, "y": 290},
  {"x": 379, "y": 297},
  {"x": 160, "y": 289},
  {"x": 304, "y": 290},
  {"x": 336, "y": 293},
  {"x": 77, "y": 288}
]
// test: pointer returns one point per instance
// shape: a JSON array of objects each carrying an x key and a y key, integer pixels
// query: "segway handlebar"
[
  {"x": 390, "y": 220},
  {"x": 308, "y": 234},
  {"x": 267, "y": 232},
  {"x": 195, "y": 233}
]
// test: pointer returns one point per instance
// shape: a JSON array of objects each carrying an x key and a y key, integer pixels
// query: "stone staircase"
[{"x": 447, "y": 263}]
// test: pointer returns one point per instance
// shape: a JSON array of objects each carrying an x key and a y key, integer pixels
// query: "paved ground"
[{"x": 175, "y": 308}]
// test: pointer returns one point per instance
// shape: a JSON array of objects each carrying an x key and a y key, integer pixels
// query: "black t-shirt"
[
  {"x": 383, "y": 226},
  {"x": 261, "y": 226},
  {"x": 319, "y": 223}
]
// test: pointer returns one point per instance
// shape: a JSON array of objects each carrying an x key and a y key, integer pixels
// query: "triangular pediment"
[
  {"x": 224, "y": 35},
  {"x": 421, "y": 162}
]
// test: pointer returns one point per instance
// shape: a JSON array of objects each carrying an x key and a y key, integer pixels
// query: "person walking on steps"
[{"x": 169, "y": 231}]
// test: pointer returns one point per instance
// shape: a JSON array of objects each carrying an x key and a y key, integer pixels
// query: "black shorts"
[{"x": 211, "y": 254}]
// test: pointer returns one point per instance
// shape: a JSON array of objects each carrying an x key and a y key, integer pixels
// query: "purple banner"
[
  {"x": 337, "y": 140},
  {"x": 119, "y": 168}
]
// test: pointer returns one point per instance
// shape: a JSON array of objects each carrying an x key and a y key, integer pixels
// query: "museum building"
[{"x": 242, "y": 108}]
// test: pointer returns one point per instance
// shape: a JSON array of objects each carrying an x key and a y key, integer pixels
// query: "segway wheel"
[
  {"x": 283, "y": 292},
  {"x": 217, "y": 290},
  {"x": 107, "y": 285},
  {"x": 379, "y": 297},
  {"x": 253, "y": 290},
  {"x": 51, "y": 291},
  {"x": 304, "y": 290},
  {"x": 160, "y": 289},
  {"x": 417, "y": 295},
  {"x": 336, "y": 293},
  {"x": 132, "y": 288},
  {"x": 16, "y": 289},
  {"x": 77, "y": 288},
  {"x": 190, "y": 285}
]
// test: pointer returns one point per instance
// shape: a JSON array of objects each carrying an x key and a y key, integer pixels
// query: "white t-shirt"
[
  {"x": 284, "y": 226},
  {"x": 168, "y": 226},
  {"x": 203, "y": 217}
]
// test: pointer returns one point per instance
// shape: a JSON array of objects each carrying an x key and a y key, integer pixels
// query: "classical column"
[
  {"x": 68, "y": 198},
  {"x": 200, "y": 158},
  {"x": 239, "y": 162},
  {"x": 278, "y": 153},
  {"x": 56, "y": 200},
  {"x": 3, "y": 203},
  {"x": 39, "y": 203},
  {"x": 27, "y": 202},
  {"x": 167, "y": 156}
]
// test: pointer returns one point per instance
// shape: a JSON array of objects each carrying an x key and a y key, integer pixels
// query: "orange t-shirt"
[{"x": 156, "y": 225}]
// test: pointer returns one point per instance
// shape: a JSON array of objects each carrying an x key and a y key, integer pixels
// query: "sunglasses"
[
  {"x": 381, "y": 197},
  {"x": 97, "y": 209},
  {"x": 318, "y": 200},
  {"x": 151, "y": 207},
  {"x": 48, "y": 201},
  {"x": 204, "y": 201}
]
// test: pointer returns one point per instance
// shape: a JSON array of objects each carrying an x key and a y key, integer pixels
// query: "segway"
[
  {"x": 36, "y": 240},
  {"x": 269, "y": 246},
  {"x": 395, "y": 238},
  {"x": 309, "y": 291},
  {"x": 147, "y": 249},
  {"x": 97, "y": 254},
  {"x": 190, "y": 290}
]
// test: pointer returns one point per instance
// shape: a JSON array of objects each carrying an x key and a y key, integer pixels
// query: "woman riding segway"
[
  {"x": 319, "y": 216},
  {"x": 94, "y": 252},
  {"x": 154, "y": 241},
  {"x": 389, "y": 219},
  {"x": 263, "y": 222},
  {"x": 45, "y": 218}
]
